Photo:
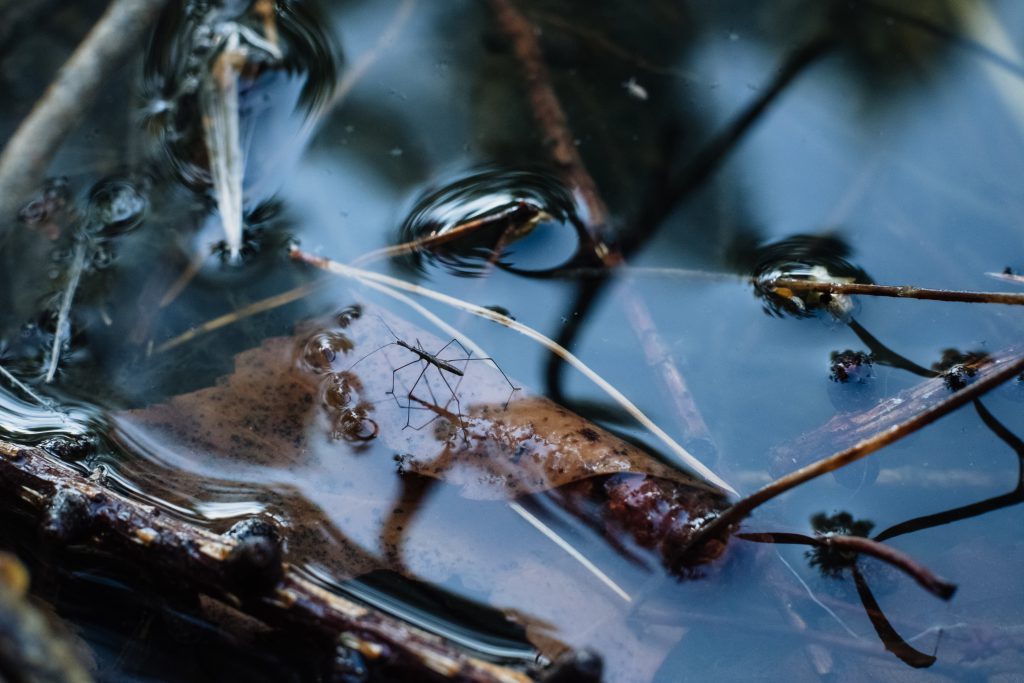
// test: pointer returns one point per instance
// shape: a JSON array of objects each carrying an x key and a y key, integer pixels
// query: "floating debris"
[
  {"x": 635, "y": 90},
  {"x": 852, "y": 376},
  {"x": 806, "y": 257}
]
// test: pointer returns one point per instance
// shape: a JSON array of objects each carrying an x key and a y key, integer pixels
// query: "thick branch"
[
  {"x": 229, "y": 568},
  {"x": 29, "y": 151}
]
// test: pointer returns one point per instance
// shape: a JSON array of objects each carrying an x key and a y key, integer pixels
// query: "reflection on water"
[
  {"x": 386, "y": 471},
  {"x": 523, "y": 221}
]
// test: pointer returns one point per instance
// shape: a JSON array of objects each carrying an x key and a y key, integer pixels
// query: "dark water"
[{"x": 894, "y": 150}]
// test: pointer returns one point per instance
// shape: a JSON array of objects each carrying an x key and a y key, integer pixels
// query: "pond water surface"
[{"x": 894, "y": 148}]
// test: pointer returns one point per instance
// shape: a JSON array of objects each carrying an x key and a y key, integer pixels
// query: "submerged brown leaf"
[
  {"x": 307, "y": 426},
  {"x": 332, "y": 385}
]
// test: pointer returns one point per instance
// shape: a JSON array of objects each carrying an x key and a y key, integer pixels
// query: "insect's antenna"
[
  {"x": 386, "y": 327},
  {"x": 370, "y": 354}
]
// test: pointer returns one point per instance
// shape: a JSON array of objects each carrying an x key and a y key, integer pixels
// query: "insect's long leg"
[
  {"x": 394, "y": 373},
  {"x": 438, "y": 353},
  {"x": 455, "y": 397},
  {"x": 469, "y": 359},
  {"x": 412, "y": 390}
]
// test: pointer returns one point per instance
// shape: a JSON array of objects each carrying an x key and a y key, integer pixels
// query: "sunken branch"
[{"x": 242, "y": 568}]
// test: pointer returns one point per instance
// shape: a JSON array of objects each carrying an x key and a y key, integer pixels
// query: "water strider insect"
[{"x": 443, "y": 365}]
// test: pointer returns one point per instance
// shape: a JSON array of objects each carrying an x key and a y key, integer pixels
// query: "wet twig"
[
  {"x": 28, "y": 152},
  {"x": 551, "y": 118},
  {"x": 864, "y": 546},
  {"x": 897, "y": 291},
  {"x": 74, "y": 509},
  {"x": 1000, "y": 372},
  {"x": 64, "y": 314},
  {"x": 255, "y": 308}
]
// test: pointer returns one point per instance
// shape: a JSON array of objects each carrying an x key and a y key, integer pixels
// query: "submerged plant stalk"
[
  {"x": 63, "y": 317},
  {"x": 864, "y": 546},
  {"x": 27, "y": 154},
  {"x": 219, "y": 102}
]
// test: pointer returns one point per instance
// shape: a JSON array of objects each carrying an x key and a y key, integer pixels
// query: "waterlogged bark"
[{"x": 242, "y": 568}]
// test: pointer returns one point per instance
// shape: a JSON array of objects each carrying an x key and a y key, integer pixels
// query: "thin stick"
[
  {"x": 368, "y": 277},
  {"x": 28, "y": 153},
  {"x": 1008, "y": 277},
  {"x": 575, "y": 554},
  {"x": 898, "y": 291},
  {"x": 252, "y": 309},
  {"x": 865, "y": 546},
  {"x": 551, "y": 118},
  {"x": 25, "y": 389},
  {"x": 185, "y": 279},
  {"x": 63, "y": 316},
  {"x": 218, "y": 100},
  {"x": 721, "y": 525},
  {"x": 535, "y": 215}
]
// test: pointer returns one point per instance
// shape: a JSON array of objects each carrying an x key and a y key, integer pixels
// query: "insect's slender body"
[
  {"x": 443, "y": 365},
  {"x": 432, "y": 359}
]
